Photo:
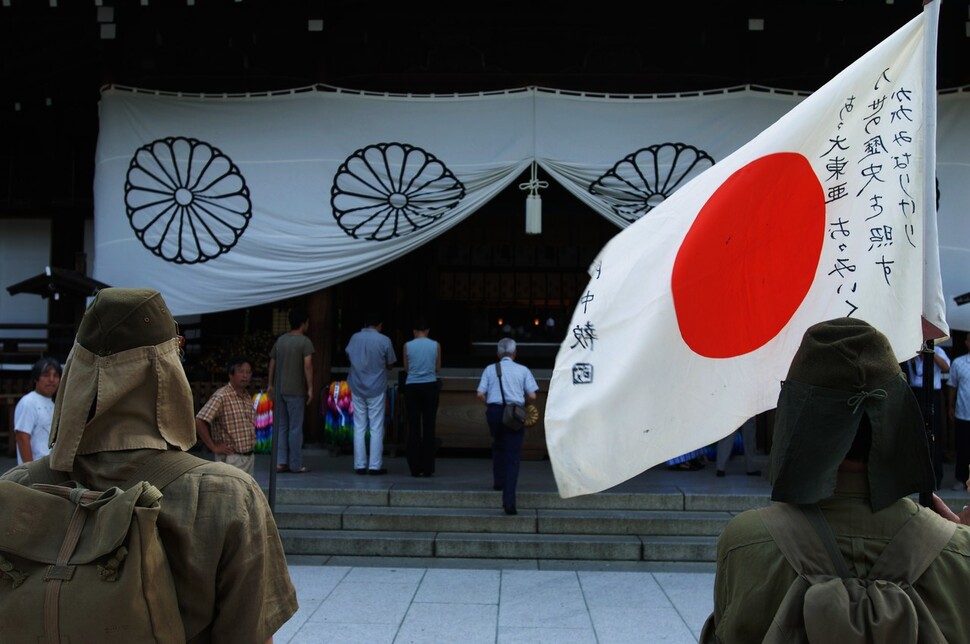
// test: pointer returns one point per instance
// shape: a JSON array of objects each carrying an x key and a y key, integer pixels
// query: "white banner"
[{"x": 223, "y": 202}]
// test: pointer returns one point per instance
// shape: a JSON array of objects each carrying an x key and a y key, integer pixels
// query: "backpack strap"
[
  {"x": 789, "y": 528},
  {"x": 39, "y": 471},
  {"x": 913, "y": 548},
  {"x": 163, "y": 468},
  {"x": 797, "y": 538},
  {"x": 158, "y": 469},
  {"x": 824, "y": 531}
]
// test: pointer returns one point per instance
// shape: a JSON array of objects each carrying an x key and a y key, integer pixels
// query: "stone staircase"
[{"x": 666, "y": 526}]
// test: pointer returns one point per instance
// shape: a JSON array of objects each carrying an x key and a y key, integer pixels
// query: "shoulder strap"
[
  {"x": 905, "y": 557},
  {"x": 163, "y": 468},
  {"x": 824, "y": 532},
  {"x": 790, "y": 530},
  {"x": 159, "y": 469},
  {"x": 798, "y": 540},
  {"x": 39, "y": 471},
  {"x": 913, "y": 548},
  {"x": 498, "y": 374}
]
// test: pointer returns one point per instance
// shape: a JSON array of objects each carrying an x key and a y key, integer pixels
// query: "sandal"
[{"x": 282, "y": 468}]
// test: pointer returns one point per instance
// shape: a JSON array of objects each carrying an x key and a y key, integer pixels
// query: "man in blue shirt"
[
  {"x": 516, "y": 384},
  {"x": 371, "y": 355}
]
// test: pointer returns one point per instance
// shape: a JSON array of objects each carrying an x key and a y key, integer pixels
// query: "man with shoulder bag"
[{"x": 503, "y": 385}]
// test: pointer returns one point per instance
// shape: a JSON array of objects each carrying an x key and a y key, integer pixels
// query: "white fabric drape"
[
  {"x": 223, "y": 202},
  {"x": 579, "y": 139},
  {"x": 236, "y": 197}
]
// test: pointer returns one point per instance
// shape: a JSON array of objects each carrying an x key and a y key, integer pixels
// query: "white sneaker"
[{"x": 959, "y": 486}]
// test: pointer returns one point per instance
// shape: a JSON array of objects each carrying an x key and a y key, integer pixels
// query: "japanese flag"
[{"x": 693, "y": 313}]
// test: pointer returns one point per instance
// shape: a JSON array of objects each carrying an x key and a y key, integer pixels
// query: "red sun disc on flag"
[{"x": 750, "y": 257}]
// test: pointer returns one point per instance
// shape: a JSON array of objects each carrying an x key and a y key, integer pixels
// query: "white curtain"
[{"x": 223, "y": 202}]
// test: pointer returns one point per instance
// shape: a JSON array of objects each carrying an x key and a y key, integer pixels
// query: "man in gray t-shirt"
[
  {"x": 371, "y": 355},
  {"x": 290, "y": 373}
]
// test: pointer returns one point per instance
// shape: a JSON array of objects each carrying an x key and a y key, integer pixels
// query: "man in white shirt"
[{"x": 35, "y": 411}]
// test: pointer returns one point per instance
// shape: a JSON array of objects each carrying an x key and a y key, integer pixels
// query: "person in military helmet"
[{"x": 123, "y": 400}]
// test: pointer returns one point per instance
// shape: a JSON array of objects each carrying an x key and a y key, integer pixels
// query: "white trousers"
[{"x": 368, "y": 415}]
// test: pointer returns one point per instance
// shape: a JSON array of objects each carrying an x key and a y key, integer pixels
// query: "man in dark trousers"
[{"x": 505, "y": 382}]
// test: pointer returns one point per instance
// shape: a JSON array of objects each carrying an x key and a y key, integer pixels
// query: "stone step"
[
  {"x": 538, "y": 546},
  {"x": 639, "y": 522},
  {"x": 441, "y": 519},
  {"x": 665, "y": 526},
  {"x": 674, "y": 548},
  {"x": 501, "y": 545},
  {"x": 673, "y": 499}
]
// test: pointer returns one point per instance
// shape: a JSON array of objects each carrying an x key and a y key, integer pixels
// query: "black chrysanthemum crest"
[
  {"x": 641, "y": 181},
  {"x": 388, "y": 190},
  {"x": 186, "y": 200}
]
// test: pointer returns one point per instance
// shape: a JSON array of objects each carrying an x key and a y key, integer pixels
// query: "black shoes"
[
  {"x": 720, "y": 473},
  {"x": 361, "y": 471},
  {"x": 754, "y": 473},
  {"x": 383, "y": 470},
  {"x": 497, "y": 488},
  {"x": 510, "y": 509}
]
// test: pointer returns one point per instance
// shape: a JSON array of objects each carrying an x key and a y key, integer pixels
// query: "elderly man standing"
[
  {"x": 34, "y": 412},
  {"x": 225, "y": 422},
  {"x": 849, "y": 450},
  {"x": 125, "y": 407},
  {"x": 506, "y": 381},
  {"x": 371, "y": 354}
]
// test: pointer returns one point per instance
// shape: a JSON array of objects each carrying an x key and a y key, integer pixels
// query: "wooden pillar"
[{"x": 320, "y": 308}]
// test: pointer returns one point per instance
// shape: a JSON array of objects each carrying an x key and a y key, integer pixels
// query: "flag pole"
[
  {"x": 930, "y": 236},
  {"x": 926, "y": 393}
]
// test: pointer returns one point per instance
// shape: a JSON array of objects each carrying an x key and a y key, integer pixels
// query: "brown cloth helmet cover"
[
  {"x": 123, "y": 385},
  {"x": 845, "y": 368}
]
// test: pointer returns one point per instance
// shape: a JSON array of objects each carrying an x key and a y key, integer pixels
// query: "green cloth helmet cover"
[{"x": 845, "y": 368}]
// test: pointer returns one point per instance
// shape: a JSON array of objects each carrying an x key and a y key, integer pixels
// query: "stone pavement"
[{"x": 433, "y": 605}]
